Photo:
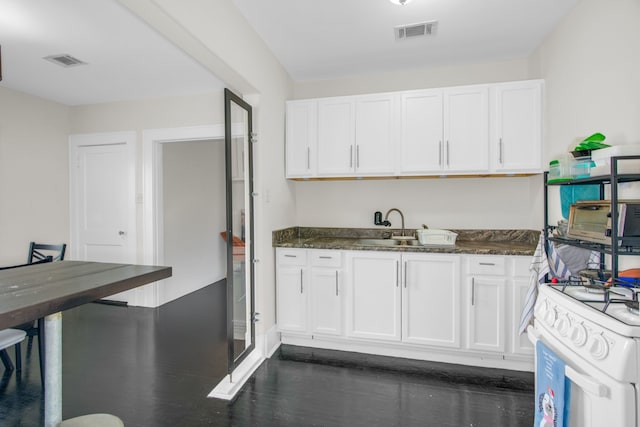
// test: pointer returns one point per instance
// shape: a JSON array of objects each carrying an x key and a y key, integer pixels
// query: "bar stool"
[{"x": 93, "y": 420}]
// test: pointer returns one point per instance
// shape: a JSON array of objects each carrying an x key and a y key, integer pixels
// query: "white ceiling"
[
  {"x": 126, "y": 59},
  {"x": 313, "y": 39},
  {"x": 324, "y": 39}
]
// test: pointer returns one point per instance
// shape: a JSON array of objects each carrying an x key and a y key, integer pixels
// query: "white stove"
[{"x": 598, "y": 338}]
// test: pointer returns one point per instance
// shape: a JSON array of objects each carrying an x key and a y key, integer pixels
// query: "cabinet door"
[
  {"x": 301, "y": 138},
  {"x": 431, "y": 300},
  {"x": 376, "y": 133},
  {"x": 373, "y": 301},
  {"x": 421, "y": 143},
  {"x": 486, "y": 313},
  {"x": 466, "y": 129},
  {"x": 326, "y": 301},
  {"x": 516, "y": 123},
  {"x": 292, "y": 299},
  {"x": 336, "y": 136}
]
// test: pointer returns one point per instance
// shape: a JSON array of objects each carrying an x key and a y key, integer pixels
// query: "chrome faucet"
[{"x": 386, "y": 217}]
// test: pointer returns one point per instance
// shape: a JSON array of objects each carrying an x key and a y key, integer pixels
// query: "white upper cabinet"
[
  {"x": 356, "y": 136},
  {"x": 376, "y": 132},
  {"x": 301, "y": 134},
  {"x": 466, "y": 129},
  {"x": 422, "y": 133},
  {"x": 516, "y": 127},
  {"x": 336, "y": 136},
  {"x": 477, "y": 129}
]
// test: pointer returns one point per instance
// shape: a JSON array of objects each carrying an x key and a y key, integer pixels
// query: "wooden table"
[{"x": 45, "y": 290}]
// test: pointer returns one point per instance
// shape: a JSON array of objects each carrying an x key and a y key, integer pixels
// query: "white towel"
[{"x": 550, "y": 263}]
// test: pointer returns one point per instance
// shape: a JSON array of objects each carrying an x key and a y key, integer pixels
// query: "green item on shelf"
[{"x": 593, "y": 142}]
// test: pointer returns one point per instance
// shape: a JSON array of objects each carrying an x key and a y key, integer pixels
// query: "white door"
[
  {"x": 421, "y": 144},
  {"x": 102, "y": 199},
  {"x": 374, "y": 295},
  {"x": 292, "y": 298},
  {"x": 431, "y": 300},
  {"x": 376, "y": 132},
  {"x": 466, "y": 129},
  {"x": 336, "y": 136},
  {"x": 486, "y": 314},
  {"x": 302, "y": 118},
  {"x": 326, "y": 301},
  {"x": 517, "y": 126}
]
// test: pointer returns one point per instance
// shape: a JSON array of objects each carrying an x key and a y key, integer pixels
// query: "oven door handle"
[{"x": 586, "y": 383}]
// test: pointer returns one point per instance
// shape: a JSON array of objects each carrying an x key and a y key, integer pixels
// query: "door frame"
[
  {"x": 152, "y": 188},
  {"x": 76, "y": 141}
]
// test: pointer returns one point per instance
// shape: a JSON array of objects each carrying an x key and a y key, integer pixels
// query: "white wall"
[
  {"x": 34, "y": 175},
  {"x": 194, "y": 199},
  {"x": 217, "y": 35},
  {"x": 592, "y": 78},
  {"x": 159, "y": 113}
]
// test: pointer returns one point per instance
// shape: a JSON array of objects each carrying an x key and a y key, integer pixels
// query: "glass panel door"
[{"x": 239, "y": 233}]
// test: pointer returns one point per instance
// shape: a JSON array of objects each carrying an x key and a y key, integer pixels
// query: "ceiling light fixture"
[{"x": 400, "y": 2}]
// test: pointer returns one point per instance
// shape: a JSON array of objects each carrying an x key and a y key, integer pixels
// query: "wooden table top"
[{"x": 29, "y": 293}]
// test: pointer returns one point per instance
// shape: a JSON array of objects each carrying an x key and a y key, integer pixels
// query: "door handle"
[
  {"x": 308, "y": 158},
  {"x": 500, "y": 151},
  {"x": 357, "y": 156},
  {"x": 350, "y": 156},
  {"x": 440, "y": 153},
  {"x": 397, "y": 274},
  {"x": 301, "y": 285},
  {"x": 405, "y": 274},
  {"x": 336, "y": 282}
]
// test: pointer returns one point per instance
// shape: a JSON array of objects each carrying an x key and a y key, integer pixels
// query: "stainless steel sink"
[{"x": 387, "y": 242}]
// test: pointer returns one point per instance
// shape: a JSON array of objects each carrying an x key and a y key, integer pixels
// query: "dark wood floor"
[{"x": 154, "y": 367}]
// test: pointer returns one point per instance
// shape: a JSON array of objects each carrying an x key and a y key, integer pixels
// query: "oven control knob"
[
  {"x": 598, "y": 347},
  {"x": 562, "y": 325},
  {"x": 578, "y": 334},
  {"x": 549, "y": 316}
]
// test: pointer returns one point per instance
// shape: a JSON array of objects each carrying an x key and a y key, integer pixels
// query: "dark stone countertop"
[{"x": 479, "y": 242}]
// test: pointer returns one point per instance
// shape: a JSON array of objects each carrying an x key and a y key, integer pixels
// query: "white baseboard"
[
  {"x": 230, "y": 385},
  {"x": 270, "y": 341},
  {"x": 485, "y": 360}
]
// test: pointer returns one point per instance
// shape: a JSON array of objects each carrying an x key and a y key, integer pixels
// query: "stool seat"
[
  {"x": 93, "y": 420},
  {"x": 9, "y": 337}
]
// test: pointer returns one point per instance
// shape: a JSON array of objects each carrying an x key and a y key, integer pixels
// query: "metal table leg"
[{"x": 53, "y": 370}]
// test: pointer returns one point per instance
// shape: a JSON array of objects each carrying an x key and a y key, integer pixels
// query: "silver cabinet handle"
[
  {"x": 447, "y": 153},
  {"x": 325, "y": 257},
  {"x": 500, "y": 152},
  {"x": 357, "y": 156},
  {"x": 397, "y": 274},
  {"x": 351, "y": 156},
  {"x": 440, "y": 153},
  {"x": 121, "y": 233},
  {"x": 301, "y": 285},
  {"x": 308, "y": 158},
  {"x": 405, "y": 274},
  {"x": 290, "y": 256},
  {"x": 473, "y": 291},
  {"x": 336, "y": 282},
  {"x": 487, "y": 263}
]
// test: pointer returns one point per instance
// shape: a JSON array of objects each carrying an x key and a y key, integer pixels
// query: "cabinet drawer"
[
  {"x": 487, "y": 265},
  {"x": 326, "y": 258},
  {"x": 292, "y": 257}
]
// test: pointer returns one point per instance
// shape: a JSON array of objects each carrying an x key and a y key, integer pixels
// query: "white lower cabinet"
[
  {"x": 485, "y": 303},
  {"x": 445, "y": 307},
  {"x": 326, "y": 292},
  {"x": 292, "y": 290},
  {"x": 430, "y": 300},
  {"x": 373, "y": 302}
]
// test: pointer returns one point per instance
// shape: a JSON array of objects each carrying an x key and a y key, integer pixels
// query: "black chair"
[{"x": 40, "y": 253}]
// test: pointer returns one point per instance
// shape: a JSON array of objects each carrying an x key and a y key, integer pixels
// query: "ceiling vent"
[
  {"x": 422, "y": 29},
  {"x": 64, "y": 60}
]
